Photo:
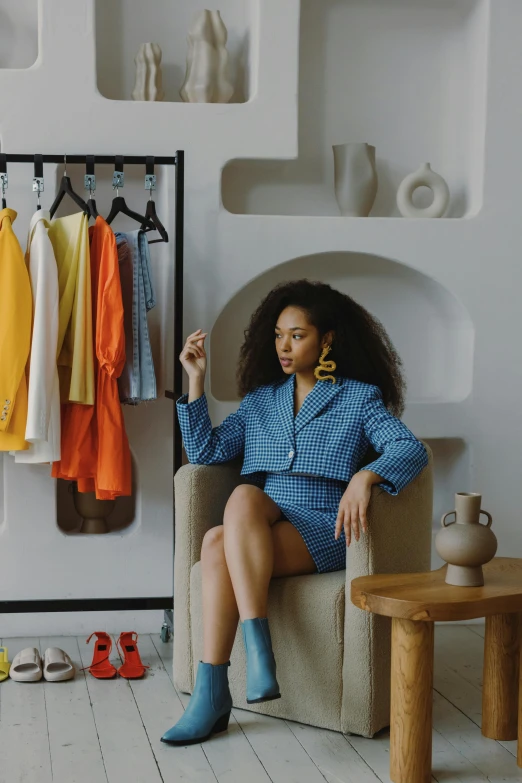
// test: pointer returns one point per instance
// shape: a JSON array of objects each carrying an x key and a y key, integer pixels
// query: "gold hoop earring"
[{"x": 328, "y": 366}]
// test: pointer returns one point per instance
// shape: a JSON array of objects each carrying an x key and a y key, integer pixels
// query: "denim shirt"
[{"x": 137, "y": 382}]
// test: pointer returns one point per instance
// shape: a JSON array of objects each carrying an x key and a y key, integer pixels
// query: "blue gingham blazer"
[{"x": 329, "y": 436}]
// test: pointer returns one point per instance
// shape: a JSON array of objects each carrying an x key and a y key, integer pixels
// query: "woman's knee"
[
  {"x": 212, "y": 549},
  {"x": 246, "y": 505}
]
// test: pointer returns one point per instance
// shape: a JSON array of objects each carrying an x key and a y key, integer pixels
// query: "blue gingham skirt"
[{"x": 311, "y": 504}]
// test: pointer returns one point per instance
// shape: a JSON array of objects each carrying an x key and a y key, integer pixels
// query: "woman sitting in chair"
[{"x": 304, "y": 426}]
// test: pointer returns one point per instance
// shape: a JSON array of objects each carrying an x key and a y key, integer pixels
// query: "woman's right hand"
[{"x": 193, "y": 356}]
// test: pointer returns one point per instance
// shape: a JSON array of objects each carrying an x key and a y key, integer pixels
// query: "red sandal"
[
  {"x": 102, "y": 651},
  {"x": 132, "y": 667}
]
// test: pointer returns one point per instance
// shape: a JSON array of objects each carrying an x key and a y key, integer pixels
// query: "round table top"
[{"x": 426, "y": 596}]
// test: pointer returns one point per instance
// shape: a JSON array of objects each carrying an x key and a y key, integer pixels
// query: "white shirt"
[{"x": 43, "y": 411}]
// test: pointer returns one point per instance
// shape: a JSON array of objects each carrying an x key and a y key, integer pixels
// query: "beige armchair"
[{"x": 333, "y": 660}]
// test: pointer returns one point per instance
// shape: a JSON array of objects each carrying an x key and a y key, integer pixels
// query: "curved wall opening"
[
  {"x": 18, "y": 33},
  {"x": 69, "y": 521},
  {"x": 431, "y": 330},
  {"x": 122, "y": 25},
  {"x": 381, "y": 72}
]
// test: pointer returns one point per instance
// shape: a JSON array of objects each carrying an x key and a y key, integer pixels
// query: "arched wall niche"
[
  {"x": 431, "y": 330},
  {"x": 18, "y": 33}
]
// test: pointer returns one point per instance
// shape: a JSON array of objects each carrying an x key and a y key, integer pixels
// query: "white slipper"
[
  {"x": 57, "y": 665},
  {"x": 26, "y": 666}
]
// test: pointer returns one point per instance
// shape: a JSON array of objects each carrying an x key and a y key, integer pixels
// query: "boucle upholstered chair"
[{"x": 333, "y": 660}]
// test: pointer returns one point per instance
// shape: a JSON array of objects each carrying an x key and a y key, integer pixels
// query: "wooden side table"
[{"x": 415, "y": 602}]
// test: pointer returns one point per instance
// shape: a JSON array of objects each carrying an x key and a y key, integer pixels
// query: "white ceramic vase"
[
  {"x": 148, "y": 84},
  {"x": 355, "y": 176},
  {"x": 424, "y": 176},
  {"x": 206, "y": 78}
]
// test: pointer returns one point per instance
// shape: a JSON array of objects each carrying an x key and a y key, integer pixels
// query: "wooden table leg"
[
  {"x": 411, "y": 701},
  {"x": 519, "y": 746},
  {"x": 501, "y": 677}
]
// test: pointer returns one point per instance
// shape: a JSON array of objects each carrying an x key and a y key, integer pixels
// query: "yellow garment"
[
  {"x": 70, "y": 239},
  {"x": 16, "y": 307}
]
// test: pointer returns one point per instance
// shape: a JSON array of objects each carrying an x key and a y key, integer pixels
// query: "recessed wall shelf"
[
  {"x": 408, "y": 76},
  {"x": 122, "y": 25},
  {"x": 18, "y": 33}
]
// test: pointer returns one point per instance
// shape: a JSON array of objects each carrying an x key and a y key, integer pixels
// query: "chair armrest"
[
  {"x": 201, "y": 493},
  {"x": 399, "y": 530},
  {"x": 398, "y": 541}
]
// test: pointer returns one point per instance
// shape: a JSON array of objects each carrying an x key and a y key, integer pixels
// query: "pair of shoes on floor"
[
  {"x": 101, "y": 668},
  {"x": 27, "y": 666},
  {"x": 208, "y": 711}
]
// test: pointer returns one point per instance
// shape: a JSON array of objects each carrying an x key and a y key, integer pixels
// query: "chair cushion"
[{"x": 306, "y": 616}]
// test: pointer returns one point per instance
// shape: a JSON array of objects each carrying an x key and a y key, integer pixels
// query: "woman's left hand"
[{"x": 352, "y": 508}]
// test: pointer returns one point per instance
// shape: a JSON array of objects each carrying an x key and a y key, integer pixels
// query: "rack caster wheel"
[{"x": 165, "y": 633}]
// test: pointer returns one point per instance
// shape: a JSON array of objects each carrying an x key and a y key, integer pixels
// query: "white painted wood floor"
[{"x": 95, "y": 731}]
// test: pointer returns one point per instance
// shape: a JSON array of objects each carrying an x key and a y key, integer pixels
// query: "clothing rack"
[{"x": 136, "y": 603}]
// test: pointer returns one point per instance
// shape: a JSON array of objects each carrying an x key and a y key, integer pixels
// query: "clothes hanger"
[
  {"x": 67, "y": 190},
  {"x": 118, "y": 203},
  {"x": 4, "y": 179},
  {"x": 90, "y": 185},
  {"x": 150, "y": 212},
  {"x": 38, "y": 179}
]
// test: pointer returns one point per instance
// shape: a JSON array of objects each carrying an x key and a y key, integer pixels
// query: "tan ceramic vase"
[
  {"x": 93, "y": 511},
  {"x": 465, "y": 544}
]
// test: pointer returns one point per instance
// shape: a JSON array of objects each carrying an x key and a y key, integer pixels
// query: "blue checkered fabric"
[{"x": 328, "y": 439}]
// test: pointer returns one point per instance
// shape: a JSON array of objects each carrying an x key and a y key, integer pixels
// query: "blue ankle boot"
[
  {"x": 261, "y": 666},
  {"x": 209, "y": 707}
]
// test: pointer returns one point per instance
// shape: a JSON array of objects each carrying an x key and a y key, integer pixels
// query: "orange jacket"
[{"x": 95, "y": 448}]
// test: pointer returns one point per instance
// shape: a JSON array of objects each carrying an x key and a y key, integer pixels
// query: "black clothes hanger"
[
  {"x": 90, "y": 185},
  {"x": 38, "y": 179},
  {"x": 67, "y": 190},
  {"x": 150, "y": 212},
  {"x": 3, "y": 177},
  {"x": 118, "y": 203}
]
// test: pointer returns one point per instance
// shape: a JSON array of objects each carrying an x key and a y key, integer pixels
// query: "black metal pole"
[{"x": 178, "y": 298}]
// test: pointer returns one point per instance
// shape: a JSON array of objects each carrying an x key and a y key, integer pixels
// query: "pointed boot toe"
[
  {"x": 208, "y": 710},
  {"x": 262, "y": 683}
]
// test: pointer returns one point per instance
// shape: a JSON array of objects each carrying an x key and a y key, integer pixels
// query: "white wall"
[{"x": 465, "y": 270}]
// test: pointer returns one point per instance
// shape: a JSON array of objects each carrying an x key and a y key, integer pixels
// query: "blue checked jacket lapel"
[{"x": 314, "y": 402}]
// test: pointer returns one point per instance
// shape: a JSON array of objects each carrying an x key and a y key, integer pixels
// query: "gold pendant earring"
[{"x": 328, "y": 366}]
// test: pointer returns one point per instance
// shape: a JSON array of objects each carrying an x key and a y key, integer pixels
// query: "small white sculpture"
[
  {"x": 355, "y": 178},
  {"x": 424, "y": 176},
  {"x": 206, "y": 77},
  {"x": 148, "y": 85}
]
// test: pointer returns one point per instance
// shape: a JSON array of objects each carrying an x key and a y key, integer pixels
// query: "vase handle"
[
  {"x": 490, "y": 518},
  {"x": 442, "y": 521}
]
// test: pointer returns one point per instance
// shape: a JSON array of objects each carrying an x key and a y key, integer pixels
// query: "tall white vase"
[
  {"x": 355, "y": 178},
  {"x": 207, "y": 78},
  {"x": 148, "y": 85}
]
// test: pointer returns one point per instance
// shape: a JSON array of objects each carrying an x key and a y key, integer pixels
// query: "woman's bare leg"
[
  {"x": 220, "y": 614},
  {"x": 249, "y": 548},
  {"x": 289, "y": 556}
]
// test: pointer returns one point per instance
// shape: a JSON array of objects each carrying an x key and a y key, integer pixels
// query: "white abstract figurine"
[
  {"x": 206, "y": 77},
  {"x": 148, "y": 86},
  {"x": 423, "y": 177}
]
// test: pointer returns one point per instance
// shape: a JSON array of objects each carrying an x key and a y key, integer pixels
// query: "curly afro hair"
[{"x": 361, "y": 347}]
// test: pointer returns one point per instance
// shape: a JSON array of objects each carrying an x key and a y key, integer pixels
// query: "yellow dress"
[
  {"x": 16, "y": 306},
  {"x": 70, "y": 239}
]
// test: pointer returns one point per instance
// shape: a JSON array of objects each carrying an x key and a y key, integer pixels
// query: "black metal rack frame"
[{"x": 136, "y": 603}]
